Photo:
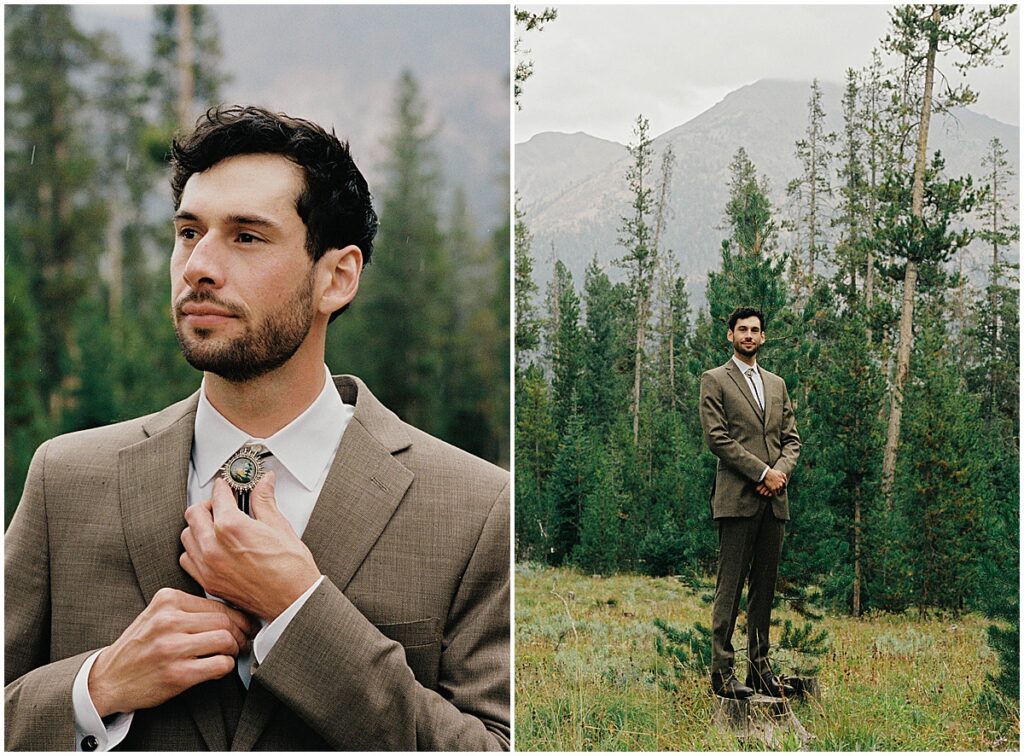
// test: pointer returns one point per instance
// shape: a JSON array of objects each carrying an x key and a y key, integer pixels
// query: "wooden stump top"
[{"x": 762, "y": 717}]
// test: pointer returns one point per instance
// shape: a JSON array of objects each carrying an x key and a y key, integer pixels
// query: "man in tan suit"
[
  {"x": 749, "y": 425},
  {"x": 277, "y": 562}
]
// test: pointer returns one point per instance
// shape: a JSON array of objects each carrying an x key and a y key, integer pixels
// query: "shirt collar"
[
  {"x": 305, "y": 446},
  {"x": 744, "y": 367}
]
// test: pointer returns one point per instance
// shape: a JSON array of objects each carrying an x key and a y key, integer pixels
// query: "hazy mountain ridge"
[{"x": 578, "y": 210}]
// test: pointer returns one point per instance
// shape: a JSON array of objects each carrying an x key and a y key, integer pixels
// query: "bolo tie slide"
[{"x": 243, "y": 470}]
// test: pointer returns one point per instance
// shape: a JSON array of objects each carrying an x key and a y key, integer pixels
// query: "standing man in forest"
[
  {"x": 749, "y": 425},
  {"x": 277, "y": 562}
]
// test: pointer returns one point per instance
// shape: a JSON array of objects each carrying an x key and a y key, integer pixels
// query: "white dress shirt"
[
  {"x": 302, "y": 452},
  {"x": 756, "y": 385}
]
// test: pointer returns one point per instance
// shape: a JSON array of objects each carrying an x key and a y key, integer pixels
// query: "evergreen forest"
[
  {"x": 88, "y": 235},
  {"x": 903, "y": 374}
]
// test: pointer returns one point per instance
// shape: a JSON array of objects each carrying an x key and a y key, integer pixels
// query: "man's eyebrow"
[
  {"x": 252, "y": 220},
  {"x": 235, "y": 219}
]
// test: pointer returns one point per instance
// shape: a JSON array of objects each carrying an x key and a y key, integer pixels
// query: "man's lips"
[{"x": 203, "y": 314}]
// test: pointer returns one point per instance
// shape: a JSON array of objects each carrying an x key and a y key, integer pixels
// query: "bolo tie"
[{"x": 243, "y": 470}]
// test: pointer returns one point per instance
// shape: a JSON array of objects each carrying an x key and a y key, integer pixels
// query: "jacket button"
[{"x": 89, "y": 743}]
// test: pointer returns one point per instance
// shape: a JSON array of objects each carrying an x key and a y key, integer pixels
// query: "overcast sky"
[{"x": 597, "y": 67}]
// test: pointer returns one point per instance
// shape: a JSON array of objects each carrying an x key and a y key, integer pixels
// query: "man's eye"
[
  {"x": 187, "y": 233},
  {"x": 244, "y": 238}
]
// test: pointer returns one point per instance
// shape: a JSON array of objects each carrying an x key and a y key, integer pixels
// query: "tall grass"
[{"x": 588, "y": 676}]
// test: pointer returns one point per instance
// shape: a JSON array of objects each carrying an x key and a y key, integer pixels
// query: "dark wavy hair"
[
  {"x": 745, "y": 312},
  {"x": 335, "y": 203}
]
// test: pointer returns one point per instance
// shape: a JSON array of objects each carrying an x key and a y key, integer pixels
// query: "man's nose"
[{"x": 205, "y": 266}]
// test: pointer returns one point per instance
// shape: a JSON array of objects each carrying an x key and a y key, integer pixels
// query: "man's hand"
[
  {"x": 178, "y": 641},
  {"x": 259, "y": 565},
  {"x": 773, "y": 483}
]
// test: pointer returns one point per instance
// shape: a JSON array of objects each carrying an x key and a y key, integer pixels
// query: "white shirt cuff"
[
  {"x": 766, "y": 469},
  {"x": 87, "y": 719},
  {"x": 269, "y": 635}
]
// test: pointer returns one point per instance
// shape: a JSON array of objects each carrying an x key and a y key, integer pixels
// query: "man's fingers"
[
  {"x": 197, "y": 623},
  {"x": 210, "y": 643},
  {"x": 189, "y": 565},
  {"x": 263, "y": 500},
  {"x": 207, "y": 668},
  {"x": 188, "y": 540},
  {"x": 200, "y": 605},
  {"x": 225, "y": 506}
]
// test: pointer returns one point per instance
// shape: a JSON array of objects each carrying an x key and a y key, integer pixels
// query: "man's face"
[
  {"x": 747, "y": 336},
  {"x": 241, "y": 279}
]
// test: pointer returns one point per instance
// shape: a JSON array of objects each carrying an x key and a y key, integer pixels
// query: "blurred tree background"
[{"x": 87, "y": 236}]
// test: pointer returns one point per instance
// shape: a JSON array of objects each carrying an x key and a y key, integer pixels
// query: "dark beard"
[
  {"x": 259, "y": 350},
  {"x": 745, "y": 351}
]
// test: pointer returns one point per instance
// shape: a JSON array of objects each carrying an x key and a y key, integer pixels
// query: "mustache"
[{"x": 205, "y": 297}]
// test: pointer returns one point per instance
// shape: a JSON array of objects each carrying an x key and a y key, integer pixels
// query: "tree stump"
[
  {"x": 761, "y": 717},
  {"x": 805, "y": 686}
]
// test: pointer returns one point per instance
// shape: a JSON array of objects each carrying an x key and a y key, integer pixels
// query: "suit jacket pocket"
[{"x": 421, "y": 640}]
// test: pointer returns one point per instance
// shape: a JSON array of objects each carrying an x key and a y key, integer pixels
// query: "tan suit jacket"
[
  {"x": 745, "y": 439},
  {"x": 404, "y": 646}
]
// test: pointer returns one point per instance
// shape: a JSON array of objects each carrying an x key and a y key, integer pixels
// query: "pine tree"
[
  {"x": 851, "y": 246},
  {"x": 476, "y": 395},
  {"x": 671, "y": 333},
  {"x": 603, "y": 389},
  {"x": 186, "y": 62},
  {"x": 527, "y": 21},
  {"x": 396, "y": 334},
  {"x": 25, "y": 419},
  {"x": 944, "y": 481},
  {"x": 748, "y": 274},
  {"x": 640, "y": 260},
  {"x": 812, "y": 190},
  {"x": 841, "y": 457},
  {"x": 921, "y": 239},
  {"x": 992, "y": 334},
  {"x": 528, "y": 323},
  {"x": 566, "y": 351},
  {"x": 53, "y": 207},
  {"x": 872, "y": 123},
  {"x": 570, "y": 483},
  {"x": 920, "y": 33},
  {"x": 598, "y": 547},
  {"x": 536, "y": 445}
]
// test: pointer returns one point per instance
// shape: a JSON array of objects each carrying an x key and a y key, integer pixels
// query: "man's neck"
[
  {"x": 264, "y": 405},
  {"x": 750, "y": 361}
]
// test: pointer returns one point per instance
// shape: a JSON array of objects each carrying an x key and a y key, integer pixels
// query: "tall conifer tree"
[{"x": 395, "y": 335}]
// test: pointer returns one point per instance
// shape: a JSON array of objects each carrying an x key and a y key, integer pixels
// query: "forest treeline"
[
  {"x": 903, "y": 375},
  {"x": 88, "y": 235}
]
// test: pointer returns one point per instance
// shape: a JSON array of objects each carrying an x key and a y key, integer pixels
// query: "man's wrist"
[
  {"x": 97, "y": 692},
  {"x": 93, "y": 732},
  {"x": 269, "y": 634}
]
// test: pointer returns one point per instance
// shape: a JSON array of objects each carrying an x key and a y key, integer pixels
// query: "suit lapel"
[
  {"x": 363, "y": 488},
  {"x": 153, "y": 477},
  {"x": 768, "y": 390},
  {"x": 744, "y": 386}
]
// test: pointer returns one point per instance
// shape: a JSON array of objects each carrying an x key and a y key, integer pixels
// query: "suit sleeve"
[
  {"x": 790, "y": 439},
  {"x": 38, "y": 711},
  {"x": 352, "y": 685},
  {"x": 716, "y": 432}
]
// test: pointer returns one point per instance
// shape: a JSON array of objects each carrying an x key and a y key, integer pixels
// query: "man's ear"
[{"x": 337, "y": 276}]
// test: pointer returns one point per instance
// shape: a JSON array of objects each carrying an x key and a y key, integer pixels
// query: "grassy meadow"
[{"x": 588, "y": 676}]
